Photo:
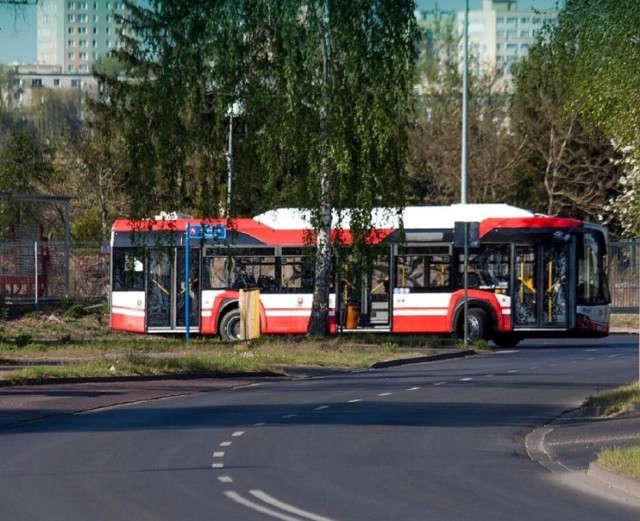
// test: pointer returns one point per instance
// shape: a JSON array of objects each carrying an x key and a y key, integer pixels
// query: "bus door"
[
  {"x": 377, "y": 304},
  {"x": 166, "y": 288},
  {"x": 541, "y": 286}
]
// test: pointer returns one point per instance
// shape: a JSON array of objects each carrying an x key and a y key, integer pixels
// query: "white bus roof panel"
[{"x": 415, "y": 217}]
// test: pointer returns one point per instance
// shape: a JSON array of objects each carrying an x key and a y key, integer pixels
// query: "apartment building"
[
  {"x": 72, "y": 34},
  {"x": 500, "y": 34}
]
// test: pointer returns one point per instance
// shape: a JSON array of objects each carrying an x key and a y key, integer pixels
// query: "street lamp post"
[
  {"x": 464, "y": 161},
  {"x": 233, "y": 111}
]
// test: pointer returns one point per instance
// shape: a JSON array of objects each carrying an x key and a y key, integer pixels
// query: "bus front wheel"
[
  {"x": 230, "y": 325},
  {"x": 477, "y": 325}
]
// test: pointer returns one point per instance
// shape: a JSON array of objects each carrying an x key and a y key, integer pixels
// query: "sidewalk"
[{"x": 569, "y": 445}]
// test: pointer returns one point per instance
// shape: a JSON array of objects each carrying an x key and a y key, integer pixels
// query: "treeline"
[{"x": 316, "y": 102}]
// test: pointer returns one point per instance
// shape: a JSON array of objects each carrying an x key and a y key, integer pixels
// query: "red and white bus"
[{"x": 527, "y": 275}]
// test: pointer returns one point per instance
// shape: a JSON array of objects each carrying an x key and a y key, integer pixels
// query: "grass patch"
[
  {"x": 625, "y": 461},
  {"x": 201, "y": 356},
  {"x": 616, "y": 400},
  {"x": 626, "y": 320}
]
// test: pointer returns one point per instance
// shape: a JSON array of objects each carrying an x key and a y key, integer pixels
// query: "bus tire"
[
  {"x": 230, "y": 325},
  {"x": 506, "y": 341},
  {"x": 477, "y": 325}
]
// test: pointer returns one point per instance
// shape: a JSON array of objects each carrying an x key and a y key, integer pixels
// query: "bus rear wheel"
[
  {"x": 477, "y": 325},
  {"x": 230, "y": 325}
]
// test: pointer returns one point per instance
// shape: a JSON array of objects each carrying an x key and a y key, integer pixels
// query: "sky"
[{"x": 18, "y": 27}]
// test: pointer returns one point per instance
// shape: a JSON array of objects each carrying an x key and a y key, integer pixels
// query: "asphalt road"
[{"x": 434, "y": 441}]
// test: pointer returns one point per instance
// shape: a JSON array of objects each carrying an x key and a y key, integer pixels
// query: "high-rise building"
[
  {"x": 500, "y": 34},
  {"x": 74, "y": 34}
]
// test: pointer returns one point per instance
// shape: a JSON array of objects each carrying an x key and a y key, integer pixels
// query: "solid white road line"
[{"x": 286, "y": 507}]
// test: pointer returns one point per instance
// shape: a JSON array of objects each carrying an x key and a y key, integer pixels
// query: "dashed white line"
[
  {"x": 259, "y": 424},
  {"x": 225, "y": 479},
  {"x": 513, "y": 371},
  {"x": 289, "y": 416},
  {"x": 226, "y": 443},
  {"x": 489, "y": 375},
  {"x": 217, "y": 465},
  {"x": 466, "y": 379},
  {"x": 321, "y": 407},
  {"x": 440, "y": 383},
  {"x": 413, "y": 388},
  {"x": 237, "y": 433},
  {"x": 385, "y": 394},
  {"x": 219, "y": 454},
  {"x": 355, "y": 400}
]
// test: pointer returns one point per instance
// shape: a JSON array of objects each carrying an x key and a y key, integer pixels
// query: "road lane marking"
[
  {"x": 289, "y": 416},
  {"x": 466, "y": 379},
  {"x": 413, "y": 388},
  {"x": 225, "y": 443},
  {"x": 355, "y": 400},
  {"x": 513, "y": 371},
  {"x": 217, "y": 465},
  {"x": 219, "y": 454},
  {"x": 225, "y": 479},
  {"x": 237, "y": 433},
  {"x": 385, "y": 394},
  {"x": 489, "y": 375},
  {"x": 322, "y": 407},
  {"x": 259, "y": 424},
  {"x": 440, "y": 383},
  {"x": 234, "y": 496},
  {"x": 286, "y": 507}
]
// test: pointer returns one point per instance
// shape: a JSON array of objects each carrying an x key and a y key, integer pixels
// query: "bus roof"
[{"x": 414, "y": 217}]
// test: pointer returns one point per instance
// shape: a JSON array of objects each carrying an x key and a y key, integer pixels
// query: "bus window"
[
  {"x": 487, "y": 268},
  {"x": 216, "y": 272},
  {"x": 297, "y": 274},
  {"x": 128, "y": 271},
  {"x": 592, "y": 280},
  {"x": 423, "y": 269}
]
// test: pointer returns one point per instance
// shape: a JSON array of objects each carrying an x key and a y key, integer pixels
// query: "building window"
[
  {"x": 512, "y": 21},
  {"x": 71, "y": 56},
  {"x": 83, "y": 68},
  {"x": 71, "y": 5},
  {"x": 524, "y": 20},
  {"x": 70, "y": 43},
  {"x": 83, "y": 56},
  {"x": 83, "y": 18},
  {"x": 71, "y": 18},
  {"x": 56, "y": 82},
  {"x": 69, "y": 30},
  {"x": 36, "y": 82},
  {"x": 83, "y": 43},
  {"x": 76, "y": 84},
  {"x": 82, "y": 30}
]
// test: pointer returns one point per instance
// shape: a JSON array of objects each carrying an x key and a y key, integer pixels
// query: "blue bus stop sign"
[{"x": 213, "y": 232}]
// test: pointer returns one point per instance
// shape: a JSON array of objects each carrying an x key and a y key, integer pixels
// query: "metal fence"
[
  {"x": 624, "y": 258},
  {"x": 32, "y": 271},
  {"x": 37, "y": 271}
]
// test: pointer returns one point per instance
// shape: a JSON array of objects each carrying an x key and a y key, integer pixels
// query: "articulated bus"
[{"x": 525, "y": 276}]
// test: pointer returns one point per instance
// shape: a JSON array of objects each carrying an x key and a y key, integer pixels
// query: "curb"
[
  {"x": 420, "y": 359},
  {"x": 622, "y": 483}
]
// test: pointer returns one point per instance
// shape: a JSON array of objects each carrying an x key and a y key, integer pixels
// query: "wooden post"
[{"x": 249, "y": 313}]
